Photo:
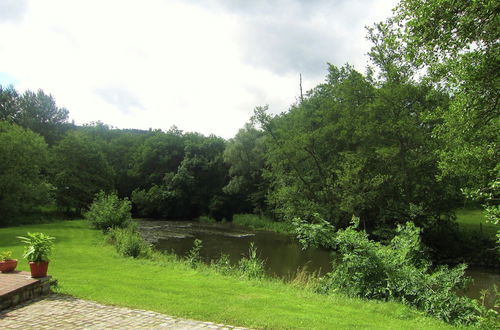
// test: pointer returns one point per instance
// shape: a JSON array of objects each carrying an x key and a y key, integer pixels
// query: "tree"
[
  {"x": 355, "y": 147},
  {"x": 245, "y": 155},
  {"x": 36, "y": 111},
  {"x": 80, "y": 171},
  {"x": 39, "y": 112},
  {"x": 23, "y": 155},
  {"x": 159, "y": 155},
  {"x": 456, "y": 44},
  {"x": 9, "y": 103},
  {"x": 182, "y": 189}
]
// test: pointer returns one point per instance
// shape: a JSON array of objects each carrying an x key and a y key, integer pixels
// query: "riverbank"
[
  {"x": 471, "y": 242},
  {"x": 87, "y": 268}
]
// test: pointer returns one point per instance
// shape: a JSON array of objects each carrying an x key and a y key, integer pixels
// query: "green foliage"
[
  {"x": 356, "y": 147},
  {"x": 396, "y": 271},
  {"x": 108, "y": 211},
  {"x": 9, "y": 103},
  {"x": 223, "y": 265},
  {"x": 35, "y": 111},
  {"x": 489, "y": 197},
  {"x": 80, "y": 171},
  {"x": 320, "y": 233},
  {"x": 39, "y": 112},
  {"x": 251, "y": 266},
  {"x": 38, "y": 246},
  {"x": 5, "y": 255},
  {"x": 190, "y": 185},
  {"x": 129, "y": 243},
  {"x": 245, "y": 155},
  {"x": 205, "y": 219},
  {"x": 23, "y": 156},
  {"x": 454, "y": 45},
  {"x": 193, "y": 256},
  {"x": 262, "y": 223}
]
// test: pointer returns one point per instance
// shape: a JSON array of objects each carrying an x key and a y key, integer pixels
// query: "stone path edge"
[{"x": 64, "y": 312}]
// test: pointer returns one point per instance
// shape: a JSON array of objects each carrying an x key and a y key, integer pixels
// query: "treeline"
[
  {"x": 352, "y": 146},
  {"x": 47, "y": 161}
]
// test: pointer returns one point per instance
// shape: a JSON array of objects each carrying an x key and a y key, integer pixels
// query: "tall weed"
[
  {"x": 251, "y": 266},
  {"x": 193, "y": 257}
]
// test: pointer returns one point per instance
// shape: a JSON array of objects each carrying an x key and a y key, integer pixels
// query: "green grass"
[
  {"x": 261, "y": 223},
  {"x": 88, "y": 268},
  {"x": 474, "y": 221}
]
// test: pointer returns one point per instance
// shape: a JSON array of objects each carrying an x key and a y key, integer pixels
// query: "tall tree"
[
  {"x": 355, "y": 147},
  {"x": 9, "y": 103},
  {"x": 456, "y": 46},
  {"x": 80, "y": 171},
  {"x": 39, "y": 112},
  {"x": 23, "y": 155},
  {"x": 245, "y": 155}
]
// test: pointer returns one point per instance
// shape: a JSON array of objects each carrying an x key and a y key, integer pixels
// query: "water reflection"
[{"x": 282, "y": 254}]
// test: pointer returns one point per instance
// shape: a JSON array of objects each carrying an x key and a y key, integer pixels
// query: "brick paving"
[
  {"x": 10, "y": 282},
  {"x": 65, "y": 312}
]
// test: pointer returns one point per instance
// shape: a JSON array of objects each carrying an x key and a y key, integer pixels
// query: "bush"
[
  {"x": 223, "y": 265},
  {"x": 129, "y": 243},
  {"x": 396, "y": 271},
  {"x": 108, "y": 211}
]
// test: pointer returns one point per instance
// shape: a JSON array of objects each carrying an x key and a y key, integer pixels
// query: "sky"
[{"x": 202, "y": 66}]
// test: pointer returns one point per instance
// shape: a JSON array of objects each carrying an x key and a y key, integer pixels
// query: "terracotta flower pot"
[
  {"x": 8, "y": 265},
  {"x": 39, "y": 268}
]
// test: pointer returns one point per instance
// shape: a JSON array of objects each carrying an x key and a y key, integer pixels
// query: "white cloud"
[{"x": 159, "y": 63}]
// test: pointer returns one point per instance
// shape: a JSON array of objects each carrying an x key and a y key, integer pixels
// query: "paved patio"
[{"x": 65, "y": 312}]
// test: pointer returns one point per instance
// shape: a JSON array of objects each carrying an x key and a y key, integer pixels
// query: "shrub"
[
  {"x": 251, "y": 266},
  {"x": 223, "y": 265},
  {"x": 193, "y": 257},
  {"x": 108, "y": 211},
  {"x": 129, "y": 243},
  {"x": 396, "y": 271}
]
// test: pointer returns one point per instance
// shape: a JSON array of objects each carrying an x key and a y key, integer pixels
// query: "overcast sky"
[{"x": 200, "y": 65}]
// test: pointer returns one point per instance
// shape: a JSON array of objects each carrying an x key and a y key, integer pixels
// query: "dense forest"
[{"x": 413, "y": 138}]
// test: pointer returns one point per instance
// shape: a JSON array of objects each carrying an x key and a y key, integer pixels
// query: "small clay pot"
[{"x": 8, "y": 265}]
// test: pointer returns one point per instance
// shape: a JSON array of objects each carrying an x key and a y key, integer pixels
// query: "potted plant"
[
  {"x": 7, "y": 264},
  {"x": 37, "y": 251}
]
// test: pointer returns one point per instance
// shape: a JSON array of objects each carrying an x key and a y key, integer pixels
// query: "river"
[{"x": 282, "y": 254}]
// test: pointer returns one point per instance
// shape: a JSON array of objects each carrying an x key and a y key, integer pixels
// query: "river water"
[{"x": 282, "y": 254}]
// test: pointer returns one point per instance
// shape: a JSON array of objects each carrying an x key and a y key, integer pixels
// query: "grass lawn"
[
  {"x": 474, "y": 221},
  {"x": 87, "y": 268}
]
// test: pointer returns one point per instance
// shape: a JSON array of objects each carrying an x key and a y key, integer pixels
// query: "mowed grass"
[
  {"x": 88, "y": 268},
  {"x": 474, "y": 221}
]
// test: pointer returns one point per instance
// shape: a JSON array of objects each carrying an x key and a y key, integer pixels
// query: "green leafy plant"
[
  {"x": 223, "y": 264},
  {"x": 129, "y": 243},
  {"x": 5, "y": 255},
  {"x": 193, "y": 257},
  {"x": 109, "y": 211},
  {"x": 398, "y": 270},
  {"x": 39, "y": 246},
  {"x": 252, "y": 266}
]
